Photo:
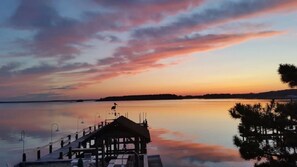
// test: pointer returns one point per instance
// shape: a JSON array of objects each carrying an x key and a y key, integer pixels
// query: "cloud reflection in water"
[{"x": 186, "y": 153}]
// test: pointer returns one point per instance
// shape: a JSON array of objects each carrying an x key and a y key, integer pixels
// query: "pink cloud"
[
  {"x": 134, "y": 63},
  {"x": 140, "y": 12},
  {"x": 226, "y": 12},
  {"x": 61, "y": 37}
]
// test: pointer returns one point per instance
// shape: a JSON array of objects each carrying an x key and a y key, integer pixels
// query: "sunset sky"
[{"x": 63, "y": 49}]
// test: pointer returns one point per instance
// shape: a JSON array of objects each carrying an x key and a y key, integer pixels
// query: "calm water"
[{"x": 186, "y": 133}]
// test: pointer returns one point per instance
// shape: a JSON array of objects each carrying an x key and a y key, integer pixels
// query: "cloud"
[
  {"x": 36, "y": 96},
  {"x": 64, "y": 38},
  {"x": 67, "y": 87},
  {"x": 109, "y": 38},
  {"x": 184, "y": 153},
  {"x": 139, "y": 12},
  {"x": 45, "y": 68},
  {"x": 8, "y": 69},
  {"x": 16, "y": 69},
  {"x": 138, "y": 57},
  {"x": 226, "y": 12},
  {"x": 150, "y": 45},
  {"x": 34, "y": 14},
  {"x": 28, "y": 83},
  {"x": 52, "y": 37}
]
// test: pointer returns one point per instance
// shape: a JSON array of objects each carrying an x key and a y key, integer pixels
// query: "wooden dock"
[
  {"x": 56, "y": 155},
  {"x": 103, "y": 143}
]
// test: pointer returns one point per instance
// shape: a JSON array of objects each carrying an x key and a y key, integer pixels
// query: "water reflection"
[
  {"x": 186, "y": 153},
  {"x": 185, "y": 132},
  {"x": 37, "y": 120},
  {"x": 267, "y": 134}
]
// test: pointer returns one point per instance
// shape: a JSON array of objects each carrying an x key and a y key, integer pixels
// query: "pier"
[{"x": 112, "y": 143}]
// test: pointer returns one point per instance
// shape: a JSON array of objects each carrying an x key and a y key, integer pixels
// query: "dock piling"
[
  {"x": 38, "y": 154},
  {"x": 62, "y": 143},
  {"x": 24, "y": 157},
  {"x": 70, "y": 153},
  {"x": 69, "y": 138},
  {"x": 51, "y": 148},
  {"x": 61, "y": 155}
]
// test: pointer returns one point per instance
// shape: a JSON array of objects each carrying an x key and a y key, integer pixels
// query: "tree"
[
  {"x": 288, "y": 74},
  {"x": 268, "y": 135}
]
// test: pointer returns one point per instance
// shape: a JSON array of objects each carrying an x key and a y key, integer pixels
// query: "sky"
[{"x": 64, "y": 49}]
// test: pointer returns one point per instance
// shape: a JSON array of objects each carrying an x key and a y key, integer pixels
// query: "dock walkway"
[{"x": 64, "y": 150}]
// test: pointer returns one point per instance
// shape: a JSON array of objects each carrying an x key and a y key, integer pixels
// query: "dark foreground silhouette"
[
  {"x": 267, "y": 134},
  {"x": 288, "y": 74}
]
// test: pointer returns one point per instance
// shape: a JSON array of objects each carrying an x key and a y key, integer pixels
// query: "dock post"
[
  {"x": 51, "y": 148},
  {"x": 62, "y": 143},
  {"x": 136, "y": 144},
  {"x": 70, "y": 153},
  {"x": 102, "y": 152},
  {"x": 61, "y": 155},
  {"x": 24, "y": 157},
  {"x": 97, "y": 150},
  {"x": 143, "y": 148},
  {"x": 38, "y": 154},
  {"x": 69, "y": 138}
]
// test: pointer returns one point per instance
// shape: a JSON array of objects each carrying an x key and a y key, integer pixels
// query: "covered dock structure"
[{"x": 113, "y": 143}]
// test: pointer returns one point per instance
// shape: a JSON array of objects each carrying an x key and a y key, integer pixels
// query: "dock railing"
[{"x": 34, "y": 154}]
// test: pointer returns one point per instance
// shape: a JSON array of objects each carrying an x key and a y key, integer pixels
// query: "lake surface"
[{"x": 186, "y": 133}]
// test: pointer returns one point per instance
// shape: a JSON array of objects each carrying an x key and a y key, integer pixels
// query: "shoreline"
[{"x": 288, "y": 94}]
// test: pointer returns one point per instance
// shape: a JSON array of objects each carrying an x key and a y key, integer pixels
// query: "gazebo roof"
[{"x": 123, "y": 125}]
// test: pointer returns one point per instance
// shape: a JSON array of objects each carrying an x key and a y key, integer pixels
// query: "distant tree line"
[{"x": 142, "y": 97}]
